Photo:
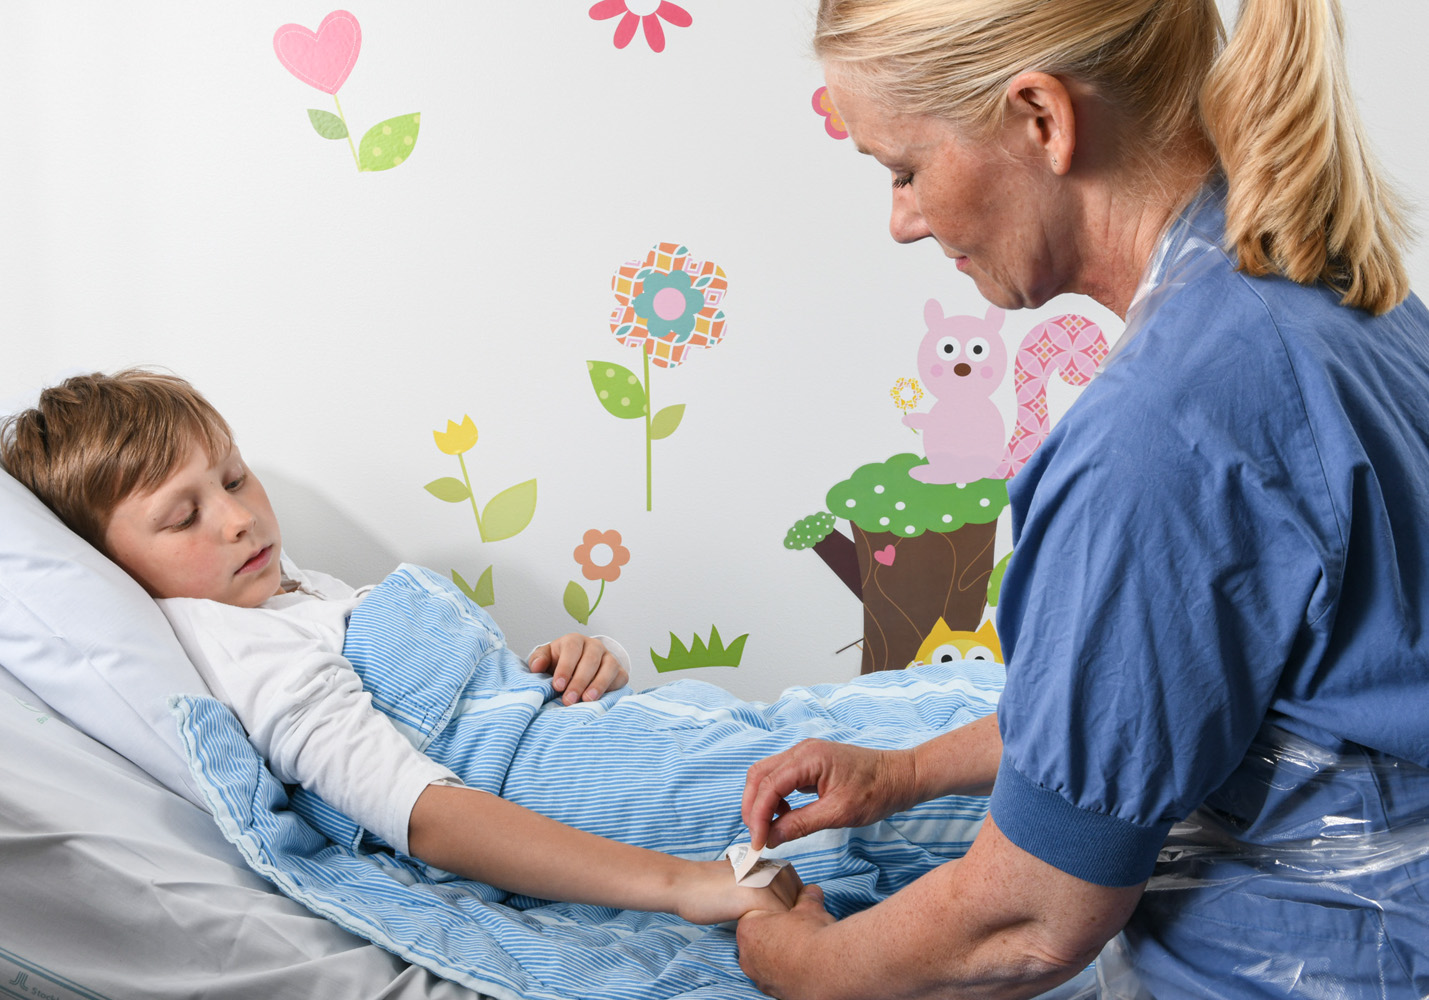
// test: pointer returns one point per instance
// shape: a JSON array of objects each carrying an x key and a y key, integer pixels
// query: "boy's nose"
[{"x": 239, "y": 520}]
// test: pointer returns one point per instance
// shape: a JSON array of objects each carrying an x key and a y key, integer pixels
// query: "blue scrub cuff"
[{"x": 1091, "y": 846}]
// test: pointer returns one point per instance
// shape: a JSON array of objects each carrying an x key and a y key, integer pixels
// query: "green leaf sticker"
[
  {"x": 666, "y": 421},
  {"x": 483, "y": 593},
  {"x": 387, "y": 144},
  {"x": 463, "y": 586},
  {"x": 577, "y": 602},
  {"x": 327, "y": 124},
  {"x": 509, "y": 512},
  {"x": 994, "y": 582},
  {"x": 485, "y": 590},
  {"x": 449, "y": 489},
  {"x": 618, "y": 389}
]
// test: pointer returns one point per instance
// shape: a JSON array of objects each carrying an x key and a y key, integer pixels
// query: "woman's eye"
[
  {"x": 186, "y": 522},
  {"x": 236, "y": 484},
  {"x": 902, "y": 180}
]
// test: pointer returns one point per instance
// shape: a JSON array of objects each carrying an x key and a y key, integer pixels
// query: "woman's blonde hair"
[
  {"x": 1306, "y": 199},
  {"x": 95, "y": 439}
]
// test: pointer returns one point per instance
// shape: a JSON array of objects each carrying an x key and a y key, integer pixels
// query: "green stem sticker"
[{"x": 346, "y": 133}]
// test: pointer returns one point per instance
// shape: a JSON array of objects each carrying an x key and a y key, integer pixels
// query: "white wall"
[{"x": 165, "y": 201}]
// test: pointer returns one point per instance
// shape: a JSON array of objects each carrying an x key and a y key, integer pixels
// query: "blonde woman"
[{"x": 1217, "y": 615}]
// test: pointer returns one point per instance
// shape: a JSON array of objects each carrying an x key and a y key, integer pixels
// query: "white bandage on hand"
[{"x": 751, "y": 869}]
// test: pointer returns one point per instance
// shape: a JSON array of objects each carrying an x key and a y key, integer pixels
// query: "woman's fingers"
[{"x": 771, "y": 780}]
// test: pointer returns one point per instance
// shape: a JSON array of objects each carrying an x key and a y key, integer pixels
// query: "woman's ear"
[{"x": 1041, "y": 115}]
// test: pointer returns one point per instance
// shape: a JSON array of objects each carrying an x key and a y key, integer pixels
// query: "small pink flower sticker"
[
  {"x": 634, "y": 13},
  {"x": 833, "y": 124}
]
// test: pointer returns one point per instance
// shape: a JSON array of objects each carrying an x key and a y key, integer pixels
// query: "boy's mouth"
[{"x": 258, "y": 561}]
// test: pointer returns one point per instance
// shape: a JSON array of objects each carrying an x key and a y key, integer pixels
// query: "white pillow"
[{"x": 88, "y": 640}]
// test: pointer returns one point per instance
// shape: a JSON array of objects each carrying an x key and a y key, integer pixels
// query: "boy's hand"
[
  {"x": 581, "y": 667},
  {"x": 709, "y": 896}
]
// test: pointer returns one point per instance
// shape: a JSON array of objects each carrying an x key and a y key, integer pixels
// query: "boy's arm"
[{"x": 480, "y": 836}]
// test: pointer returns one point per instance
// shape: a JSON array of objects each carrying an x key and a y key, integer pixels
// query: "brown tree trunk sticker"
[{"x": 919, "y": 552}]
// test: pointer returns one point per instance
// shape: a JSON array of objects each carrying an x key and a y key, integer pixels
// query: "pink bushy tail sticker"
[{"x": 1070, "y": 345}]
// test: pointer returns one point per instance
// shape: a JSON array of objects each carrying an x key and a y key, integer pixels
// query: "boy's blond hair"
[{"x": 94, "y": 440}]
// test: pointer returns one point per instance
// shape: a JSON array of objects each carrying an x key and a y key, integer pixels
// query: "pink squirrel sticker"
[{"x": 961, "y": 362}]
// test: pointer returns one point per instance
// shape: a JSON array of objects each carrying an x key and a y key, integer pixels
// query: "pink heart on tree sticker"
[
  {"x": 885, "y": 555},
  {"x": 321, "y": 58}
]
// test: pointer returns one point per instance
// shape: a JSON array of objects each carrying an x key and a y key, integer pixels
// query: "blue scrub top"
[{"x": 1221, "y": 552}]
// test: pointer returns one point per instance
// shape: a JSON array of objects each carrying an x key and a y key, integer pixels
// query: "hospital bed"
[{"x": 114, "y": 882}]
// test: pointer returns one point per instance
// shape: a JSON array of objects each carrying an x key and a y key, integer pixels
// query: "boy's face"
[{"x": 206, "y": 531}]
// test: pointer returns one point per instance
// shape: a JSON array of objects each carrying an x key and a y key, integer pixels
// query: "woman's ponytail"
[{"x": 1306, "y": 198}]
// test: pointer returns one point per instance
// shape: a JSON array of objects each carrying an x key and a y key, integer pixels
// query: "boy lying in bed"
[{"x": 142, "y": 466}]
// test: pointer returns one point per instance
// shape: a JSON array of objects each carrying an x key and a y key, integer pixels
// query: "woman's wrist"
[{"x": 961, "y": 762}]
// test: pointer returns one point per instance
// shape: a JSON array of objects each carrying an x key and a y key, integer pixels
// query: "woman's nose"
[{"x": 905, "y": 223}]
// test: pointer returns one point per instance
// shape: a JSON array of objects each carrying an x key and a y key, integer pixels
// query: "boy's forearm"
[
  {"x": 960, "y": 762},
  {"x": 486, "y": 838}
]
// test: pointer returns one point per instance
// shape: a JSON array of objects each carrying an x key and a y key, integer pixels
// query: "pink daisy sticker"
[{"x": 637, "y": 13}]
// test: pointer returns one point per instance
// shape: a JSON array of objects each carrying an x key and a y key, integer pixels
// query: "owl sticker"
[{"x": 943, "y": 645}]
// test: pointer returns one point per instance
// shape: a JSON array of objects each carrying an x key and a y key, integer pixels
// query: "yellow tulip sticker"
[
  {"x": 457, "y": 439},
  {"x": 508, "y": 513}
]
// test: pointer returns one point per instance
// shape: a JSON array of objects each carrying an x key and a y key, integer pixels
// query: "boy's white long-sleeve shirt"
[{"x": 279, "y": 668}]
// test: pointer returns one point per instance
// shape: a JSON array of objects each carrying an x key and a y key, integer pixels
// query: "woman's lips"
[{"x": 259, "y": 560}]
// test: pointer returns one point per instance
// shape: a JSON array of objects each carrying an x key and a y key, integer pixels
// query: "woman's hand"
[
  {"x": 770, "y": 943},
  {"x": 581, "y": 667},
  {"x": 708, "y": 895},
  {"x": 856, "y": 786}
]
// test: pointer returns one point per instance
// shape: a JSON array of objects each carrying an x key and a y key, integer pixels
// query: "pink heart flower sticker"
[
  {"x": 321, "y": 58},
  {"x": 885, "y": 555}
]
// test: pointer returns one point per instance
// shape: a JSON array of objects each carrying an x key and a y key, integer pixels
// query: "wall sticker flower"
[
  {"x": 507, "y": 514},
  {"x": 905, "y": 393},
  {"x": 667, "y": 304},
  {"x": 833, "y": 124},
  {"x": 637, "y": 13},
  {"x": 323, "y": 59},
  {"x": 600, "y": 555}
]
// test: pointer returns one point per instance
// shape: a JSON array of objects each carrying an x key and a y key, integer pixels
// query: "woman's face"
[{"x": 990, "y": 206}]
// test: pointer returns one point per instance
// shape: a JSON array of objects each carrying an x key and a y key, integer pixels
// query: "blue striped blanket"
[{"x": 662, "y": 768}]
